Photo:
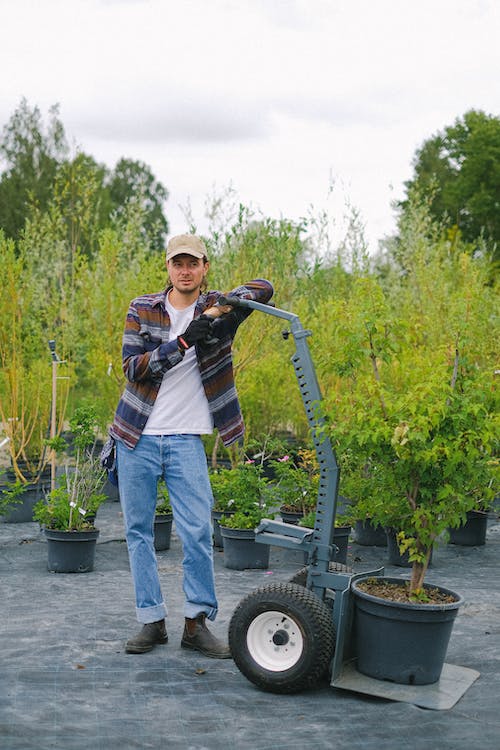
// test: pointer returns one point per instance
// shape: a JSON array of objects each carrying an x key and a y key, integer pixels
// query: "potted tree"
[
  {"x": 470, "y": 529},
  {"x": 67, "y": 514},
  {"x": 413, "y": 401},
  {"x": 163, "y": 519},
  {"x": 419, "y": 420},
  {"x": 420, "y": 473},
  {"x": 247, "y": 490}
]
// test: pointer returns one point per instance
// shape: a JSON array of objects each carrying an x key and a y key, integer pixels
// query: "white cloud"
[{"x": 273, "y": 96}]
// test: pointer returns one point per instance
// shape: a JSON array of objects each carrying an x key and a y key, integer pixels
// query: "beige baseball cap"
[{"x": 189, "y": 244}]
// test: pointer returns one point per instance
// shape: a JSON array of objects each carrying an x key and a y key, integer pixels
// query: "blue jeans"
[{"x": 181, "y": 460}]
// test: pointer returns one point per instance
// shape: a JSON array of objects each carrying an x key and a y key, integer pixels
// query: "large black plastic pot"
[
  {"x": 241, "y": 551},
  {"x": 341, "y": 540},
  {"x": 42, "y": 478},
  {"x": 162, "y": 531},
  {"x": 405, "y": 643},
  {"x": 71, "y": 551},
  {"x": 216, "y": 516},
  {"x": 394, "y": 555},
  {"x": 473, "y": 532},
  {"x": 22, "y": 512},
  {"x": 111, "y": 491},
  {"x": 291, "y": 516},
  {"x": 368, "y": 535}
]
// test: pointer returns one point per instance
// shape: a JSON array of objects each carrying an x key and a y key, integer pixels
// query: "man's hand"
[
  {"x": 218, "y": 310},
  {"x": 197, "y": 330}
]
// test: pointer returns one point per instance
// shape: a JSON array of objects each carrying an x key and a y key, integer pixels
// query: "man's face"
[{"x": 186, "y": 272}]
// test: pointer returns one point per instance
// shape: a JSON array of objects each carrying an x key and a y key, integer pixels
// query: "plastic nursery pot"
[
  {"x": 241, "y": 551},
  {"x": 473, "y": 532},
  {"x": 22, "y": 512},
  {"x": 368, "y": 535},
  {"x": 405, "y": 643},
  {"x": 71, "y": 551},
  {"x": 162, "y": 531},
  {"x": 216, "y": 516},
  {"x": 394, "y": 555},
  {"x": 291, "y": 516},
  {"x": 340, "y": 540}
]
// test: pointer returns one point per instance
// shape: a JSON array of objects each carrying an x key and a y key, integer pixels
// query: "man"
[{"x": 180, "y": 384}]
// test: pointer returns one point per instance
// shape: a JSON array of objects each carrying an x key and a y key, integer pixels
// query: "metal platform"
[{"x": 441, "y": 695}]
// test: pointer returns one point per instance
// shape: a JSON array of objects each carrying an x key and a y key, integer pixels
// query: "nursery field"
[{"x": 66, "y": 681}]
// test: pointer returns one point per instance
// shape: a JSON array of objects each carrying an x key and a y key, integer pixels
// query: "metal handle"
[{"x": 268, "y": 308}]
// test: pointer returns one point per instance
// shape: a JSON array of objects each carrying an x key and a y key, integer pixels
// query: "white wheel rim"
[{"x": 275, "y": 641}]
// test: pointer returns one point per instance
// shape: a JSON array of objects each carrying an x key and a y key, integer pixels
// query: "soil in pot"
[{"x": 401, "y": 641}]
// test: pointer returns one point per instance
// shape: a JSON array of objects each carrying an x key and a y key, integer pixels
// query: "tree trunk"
[{"x": 418, "y": 572}]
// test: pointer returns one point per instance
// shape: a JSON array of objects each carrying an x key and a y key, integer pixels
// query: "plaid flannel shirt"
[{"x": 147, "y": 354}]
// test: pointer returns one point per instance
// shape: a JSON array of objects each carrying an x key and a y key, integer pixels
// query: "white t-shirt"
[{"x": 181, "y": 406}]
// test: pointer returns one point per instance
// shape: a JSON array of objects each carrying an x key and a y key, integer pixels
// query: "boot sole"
[
  {"x": 144, "y": 649},
  {"x": 210, "y": 654}
]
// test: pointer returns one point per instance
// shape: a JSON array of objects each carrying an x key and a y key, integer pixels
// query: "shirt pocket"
[{"x": 150, "y": 339}]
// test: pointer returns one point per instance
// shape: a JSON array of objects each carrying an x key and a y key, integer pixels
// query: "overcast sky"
[{"x": 277, "y": 98}]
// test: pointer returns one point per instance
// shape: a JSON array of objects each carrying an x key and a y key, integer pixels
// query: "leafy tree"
[
  {"x": 32, "y": 156},
  {"x": 83, "y": 203},
  {"x": 39, "y": 173},
  {"x": 459, "y": 169},
  {"x": 121, "y": 269},
  {"x": 252, "y": 249},
  {"x": 134, "y": 181},
  {"x": 414, "y": 411},
  {"x": 25, "y": 376}
]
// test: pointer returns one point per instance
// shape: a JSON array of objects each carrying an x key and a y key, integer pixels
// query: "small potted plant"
[
  {"x": 67, "y": 514},
  {"x": 295, "y": 486},
  {"x": 249, "y": 507},
  {"x": 163, "y": 519},
  {"x": 230, "y": 481}
]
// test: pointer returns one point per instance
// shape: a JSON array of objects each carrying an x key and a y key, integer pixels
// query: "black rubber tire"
[
  {"x": 300, "y": 577},
  {"x": 276, "y": 613}
]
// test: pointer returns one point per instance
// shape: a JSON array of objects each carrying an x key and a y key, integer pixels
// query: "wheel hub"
[
  {"x": 275, "y": 641},
  {"x": 280, "y": 638}
]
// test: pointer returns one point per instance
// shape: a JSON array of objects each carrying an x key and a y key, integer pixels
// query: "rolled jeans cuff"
[
  {"x": 151, "y": 614},
  {"x": 192, "y": 610}
]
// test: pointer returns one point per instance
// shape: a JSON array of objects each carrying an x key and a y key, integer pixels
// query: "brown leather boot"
[
  {"x": 198, "y": 637},
  {"x": 149, "y": 636}
]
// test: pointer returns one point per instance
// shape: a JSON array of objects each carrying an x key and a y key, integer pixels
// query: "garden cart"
[{"x": 284, "y": 637}]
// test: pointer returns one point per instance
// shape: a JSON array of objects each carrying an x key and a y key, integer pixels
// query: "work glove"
[{"x": 197, "y": 330}]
